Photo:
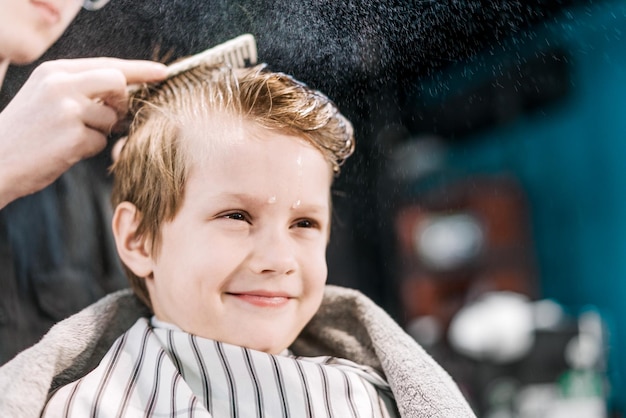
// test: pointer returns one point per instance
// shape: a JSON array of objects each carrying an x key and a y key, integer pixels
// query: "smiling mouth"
[{"x": 262, "y": 300}]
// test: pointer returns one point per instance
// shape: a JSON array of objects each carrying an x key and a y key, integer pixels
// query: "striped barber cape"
[{"x": 164, "y": 372}]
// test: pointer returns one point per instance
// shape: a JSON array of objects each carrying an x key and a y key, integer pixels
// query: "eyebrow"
[{"x": 246, "y": 198}]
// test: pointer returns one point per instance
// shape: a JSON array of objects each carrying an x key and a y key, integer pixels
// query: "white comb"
[{"x": 237, "y": 52}]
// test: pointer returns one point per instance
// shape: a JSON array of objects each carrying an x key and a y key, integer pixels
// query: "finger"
[
  {"x": 135, "y": 71},
  {"x": 93, "y": 141},
  {"x": 106, "y": 85},
  {"x": 99, "y": 117}
]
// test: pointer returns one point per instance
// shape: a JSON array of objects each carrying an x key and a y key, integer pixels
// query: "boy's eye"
[
  {"x": 237, "y": 216},
  {"x": 306, "y": 223}
]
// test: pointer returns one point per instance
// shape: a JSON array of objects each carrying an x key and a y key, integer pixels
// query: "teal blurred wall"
[{"x": 570, "y": 157}]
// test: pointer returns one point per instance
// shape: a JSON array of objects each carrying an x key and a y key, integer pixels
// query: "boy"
[{"x": 222, "y": 196}]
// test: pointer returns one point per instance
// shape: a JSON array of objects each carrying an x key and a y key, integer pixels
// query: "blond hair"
[{"x": 153, "y": 166}]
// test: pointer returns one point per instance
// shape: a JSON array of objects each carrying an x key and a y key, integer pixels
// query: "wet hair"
[{"x": 154, "y": 163}]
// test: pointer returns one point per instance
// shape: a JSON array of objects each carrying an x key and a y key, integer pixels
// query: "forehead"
[
  {"x": 241, "y": 158},
  {"x": 224, "y": 136}
]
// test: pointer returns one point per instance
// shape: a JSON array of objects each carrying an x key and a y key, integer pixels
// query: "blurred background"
[
  {"x": 500, "y": 202},
  {"x": 484, "y": 207}
]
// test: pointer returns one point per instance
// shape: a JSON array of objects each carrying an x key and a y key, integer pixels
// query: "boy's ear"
[{"x": 133, "y": 250}]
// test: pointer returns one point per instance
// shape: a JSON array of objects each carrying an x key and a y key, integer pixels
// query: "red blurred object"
[{"x": 505, "y": 260}]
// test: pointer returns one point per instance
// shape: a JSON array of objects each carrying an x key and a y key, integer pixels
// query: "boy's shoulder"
[{"x": 68, "y": 351}]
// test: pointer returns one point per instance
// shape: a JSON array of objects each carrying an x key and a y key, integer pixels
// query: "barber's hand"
[{"x": 62, "y": 114}]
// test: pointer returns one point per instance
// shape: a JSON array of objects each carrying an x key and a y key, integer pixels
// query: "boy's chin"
[
  {"x": 267, "y": 348},
  {"x": 266, "y": 345}
]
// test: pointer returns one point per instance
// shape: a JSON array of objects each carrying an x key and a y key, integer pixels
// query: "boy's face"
[
  {"x": 29, "y": 27},
  {"x": 243, "y": 261}
]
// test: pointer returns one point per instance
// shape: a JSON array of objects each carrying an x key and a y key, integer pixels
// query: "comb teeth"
[{"x": 237, "y": 52}]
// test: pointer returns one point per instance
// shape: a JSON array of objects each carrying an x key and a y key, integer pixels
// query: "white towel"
[{"x": 348, "y": 325}]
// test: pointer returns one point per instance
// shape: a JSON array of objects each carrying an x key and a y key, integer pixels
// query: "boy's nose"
[{"x": 274, "y": 253}]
